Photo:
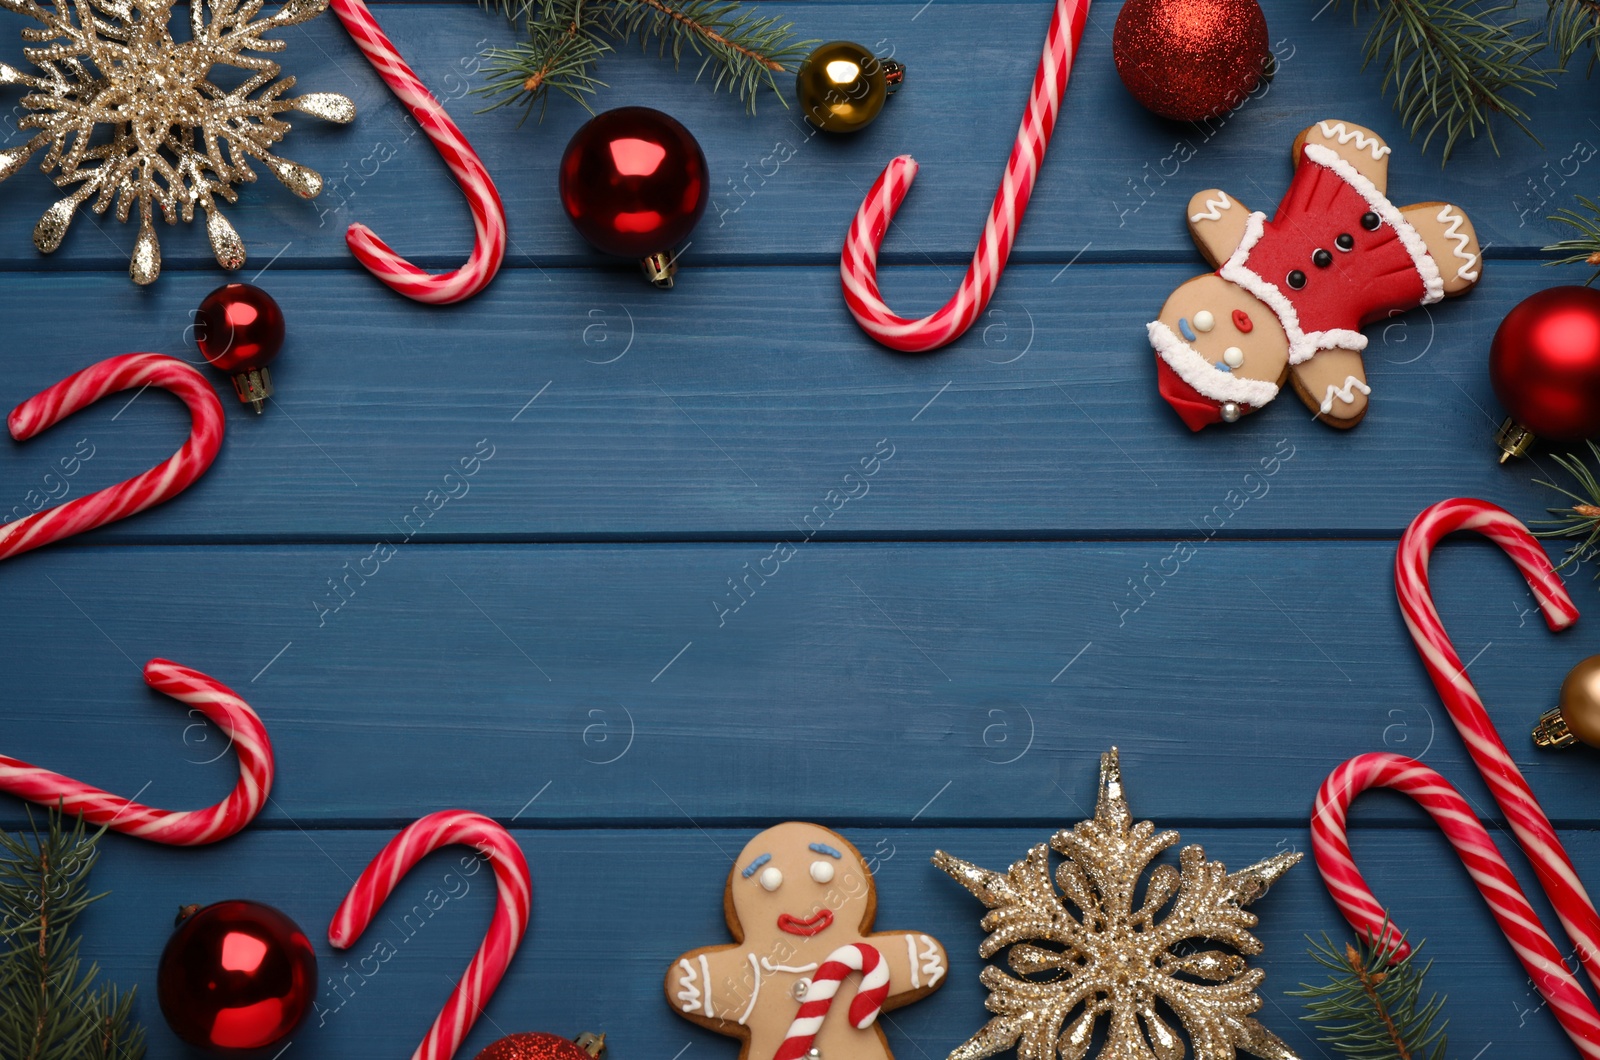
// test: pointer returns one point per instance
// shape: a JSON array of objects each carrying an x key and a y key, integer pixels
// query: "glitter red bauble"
[
  {"x": 634, "y": 182},
  {"x": 533, "y": 1046},
  {"x": 238, "y": 327},
  {"x": 1191, "y": 59},
  {"x": 1545, "y": 363},
  {"x": 236, "y": 976}
]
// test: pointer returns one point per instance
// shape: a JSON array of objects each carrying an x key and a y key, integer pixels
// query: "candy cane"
[
  {"x": 488, "y": 965},
  {"x": 162, "y": 482},
  {"x": 1517, "y": 801},
  {"x": 1477, "y": 851},
  {"x": 858, "y": 266},
  {"x": 864, "y": 1008},
  {"x": 488, "y": 216},
  {"x": 185, "y": 828}
]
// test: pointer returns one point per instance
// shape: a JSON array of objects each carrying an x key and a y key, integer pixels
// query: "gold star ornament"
[
  {"x": 130, "y": 115},
  {"x": 1103, "y": 956}
]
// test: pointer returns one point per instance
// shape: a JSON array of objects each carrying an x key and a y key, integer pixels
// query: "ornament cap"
[
  {"x": 1513, "y": 439},
  {"x": 659, "y": 268},
  {"x": 593, "y": 1044},
  {"x": 1552, "y": 731},
  {"x": 253, "y": 387},
  {"x": 894, "y": 75}
]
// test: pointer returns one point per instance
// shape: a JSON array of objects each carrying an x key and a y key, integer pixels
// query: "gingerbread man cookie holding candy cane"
[
  {"x": 800, "y": 903},
  {"x": 1291, "y": 294}
]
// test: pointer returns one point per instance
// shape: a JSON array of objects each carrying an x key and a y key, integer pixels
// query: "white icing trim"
[
  {"x": 1213, "y": 208},
  {"x": 911, "y": 952},
  {"x": 1454, "y": 219},
  {"x": 801, "y": 968},
  {"x": 1203, "y": 375},
  {"x": 932, "y": 966},
  {"x": 1432, "y": 282},
  {"x": 1371, "y": 144},
  {"x": 705, "y": 973},
  {"x": 1344, "y": 393},
  {"x": 755, "y": 991},
  {"x": 1234, "y": 270},
  {"x": 688, "y": 993}
]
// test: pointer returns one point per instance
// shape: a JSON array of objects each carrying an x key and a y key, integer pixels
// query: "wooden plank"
[
  {"x": 594, "y": 684},
  {"x": 612, "y": 908},
  {"x": 783, "y": 196},
  {"x": 732, "y": 407}
]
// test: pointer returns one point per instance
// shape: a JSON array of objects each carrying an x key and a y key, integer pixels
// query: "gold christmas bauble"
[
  {"x": 1580, "y": 701},
  {"x": 842, "y": 86}
]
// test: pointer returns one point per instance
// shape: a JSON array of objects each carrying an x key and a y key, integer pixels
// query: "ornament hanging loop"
[{"x": 858, "y": 265}]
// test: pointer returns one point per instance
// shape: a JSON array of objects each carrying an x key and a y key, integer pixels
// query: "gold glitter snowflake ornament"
[
  {"x": 132, "y": 116},
  {"x": 1114, "y": 959}
]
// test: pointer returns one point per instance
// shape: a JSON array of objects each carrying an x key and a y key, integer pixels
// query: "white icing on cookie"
[
  {"x": 800, "y": 968},
  {"x": 1203, "y": 375},
  {"x": 1213, "y": 209},
  {"x": 771, "y": 879},
  {"x": 755, "y": 989},
  {"x": 911, "y": 954},
  {"x": 705, "y": 973},
  {"x": 1344, "y": 393},
  {"x": 1338, "y": 131},
  {"x": 822, "y": 871},
  {"x": 688, "y": 993},
  {"x": 1452, "y": 219},
  {"x": 932, "y": 963}
]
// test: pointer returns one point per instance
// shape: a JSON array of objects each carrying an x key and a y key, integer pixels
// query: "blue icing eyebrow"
[
  {"x": 1223, "y": 368},
  {"x": 823, "y": 848},
  {"x": 1185, "y": 329},
  {"x": 750, "y": 869}
]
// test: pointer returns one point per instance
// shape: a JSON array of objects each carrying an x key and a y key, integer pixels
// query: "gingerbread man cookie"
[
  {"x": 1291, "y": 294},
  {"x": 800, "y": 903}
]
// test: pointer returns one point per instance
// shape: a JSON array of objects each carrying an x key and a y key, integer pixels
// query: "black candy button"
[
  {"x": 1322, "y": 259},
  {"x": 1346, "y": 241},
  {"x": 1297, "y": 279},
  {"x": 1370, "y": 221}
]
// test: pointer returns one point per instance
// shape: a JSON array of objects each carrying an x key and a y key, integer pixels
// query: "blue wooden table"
[{"x": 939, "y": 665}]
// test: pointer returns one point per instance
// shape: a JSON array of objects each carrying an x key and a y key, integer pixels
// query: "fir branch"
[
  {"x": 1371, "y": 1008},
  {"x": 1585, "y": 246},
  {"x": 1574, "y": 25},
  {"x": 565, "y": 38},
  {"x": 50, "y": 1008},
  {"x": 1454, "y": 65},
  {"x": 1582, "y": 518}
]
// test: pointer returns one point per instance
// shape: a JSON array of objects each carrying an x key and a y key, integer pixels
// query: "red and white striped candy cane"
[
  {"x": 1478, "y": 853},
  {"x": 186, "y": 828},
  {"x": 864, "y": 1007},
  {"x": 488, "y": 216},
  {"x": 515, "y": 890},
  {"x": 1517, "y": 801},
  {"x": 858, "y": 266},
  {"x": 162, "y": 482}
]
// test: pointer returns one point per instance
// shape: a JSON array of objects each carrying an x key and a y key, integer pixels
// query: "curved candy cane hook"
[
  {"x": 858, "y": 265},
  {"x": 184, "y": 828},
  {"x": 515, "y": 896},
  {"x": 162, "y": 482},
  {"x": 1477, "y": 851},
  {"x": 1517, "y": 801},
  {"x": 488, "y": 216}
]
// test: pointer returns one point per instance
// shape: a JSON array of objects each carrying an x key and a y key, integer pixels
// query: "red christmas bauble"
[
  {"x": 1545, "y": 363},
  {"x": 1191, "y": 59},
  {"x": 239, "y": 327},
  {"x": 634, "y": 182},
  {"x": 236, "y": 976},
  {"x": 533, "y": 1045}
]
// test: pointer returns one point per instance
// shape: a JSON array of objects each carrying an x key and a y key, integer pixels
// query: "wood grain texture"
[{"x": 640, "y": 573}]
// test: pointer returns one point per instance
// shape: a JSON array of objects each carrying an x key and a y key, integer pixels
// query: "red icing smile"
[
  {"x": 1241, "y": 320},
  {"x": 812, "y": 925}
]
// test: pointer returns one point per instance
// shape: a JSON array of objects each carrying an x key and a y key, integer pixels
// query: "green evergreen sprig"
[
  {"x": 1585, "y": 246},
  {"x": 741, "y": 50},
  {"x": 50, "y": 1007},
  {"x": 1371, "y": 1008},
  {"x": 1581, "y": 520},
  {"x": 1457, "y": 65}
]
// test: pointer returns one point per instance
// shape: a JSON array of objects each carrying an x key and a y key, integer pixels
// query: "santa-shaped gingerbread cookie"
[
  {"x": 1291, "y": 294},
  {"x": 800, "y": 903}
]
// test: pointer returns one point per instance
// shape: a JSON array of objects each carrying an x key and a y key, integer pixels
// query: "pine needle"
[
  {"x": 1582, "y": 518},
  {"x": 1371, "y": 1008},
  {"x": 742, "y": 51},
  {"x": 50, "y": 1007},
  {"x": 1585, "y": 247}
]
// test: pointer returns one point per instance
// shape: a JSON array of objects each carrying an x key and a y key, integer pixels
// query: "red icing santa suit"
[{"x": 1338, "y": 255}]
